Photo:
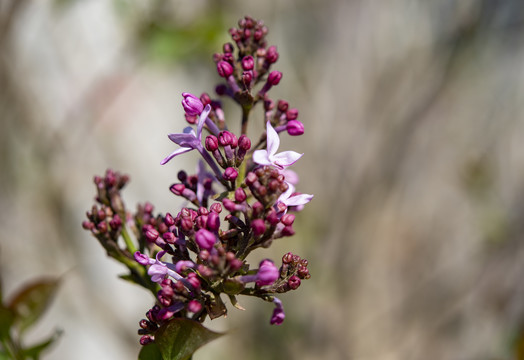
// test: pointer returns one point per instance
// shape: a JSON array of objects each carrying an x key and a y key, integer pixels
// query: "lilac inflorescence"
[{"x": 240, "y": 199}]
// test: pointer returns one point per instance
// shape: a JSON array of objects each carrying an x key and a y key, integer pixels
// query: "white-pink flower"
[
  {"x": 288, "y": 199},
  {"x": 270, "y": 156}
]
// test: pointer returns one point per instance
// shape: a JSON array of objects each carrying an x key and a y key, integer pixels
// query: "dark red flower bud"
[
  {"x": 211, "y": 143},
  {"x": 244, "y": 142},
  {"x": 213, "y": 221},
  {"x": 177, "y": 189},
  {"x": 272, "y": 54},
  {"x": 216, "y": 207},
  {"x": 274, "y": 77},
  {"x": 282, "y": 105},
  {"x": 228, "y": 48},
  {"x": 294, "y": 282}
]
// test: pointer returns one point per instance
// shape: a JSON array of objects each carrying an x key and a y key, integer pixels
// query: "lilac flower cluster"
[{"x": 241, "y": 198}]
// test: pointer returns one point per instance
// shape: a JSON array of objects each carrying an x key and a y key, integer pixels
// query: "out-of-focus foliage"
[{"x": 19, "y": 314}]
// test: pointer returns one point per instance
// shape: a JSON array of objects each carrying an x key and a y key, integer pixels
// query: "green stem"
[
  {"x": 245, "y": 118},
  {"x": 127, "y": 239}
]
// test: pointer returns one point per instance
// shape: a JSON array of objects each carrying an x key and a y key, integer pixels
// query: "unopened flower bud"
[
  {"x": 267, "y": 273},
  {"x": 244, "y": 142},
  {"x": 248, "y": 62},
  {"x": 194, "y": 306},
  {"x": 292, "y": 114},
  {"x": 282, "y": 105},
  {"x": 205, "y": 239},
  {"x": 230, "y": 174},
  {"x": 177, "y": 189},
  {"x": 287, "y": 219},
  {"x": 224, "y": 69},
  {"x": 295, "y": 128},
  {"x": 211, "y": 143},
  {"x": 294, "y": 282},
  {"x": 192, "y": 105},
  {"x": 274, "y": 77},
  {"x": 240, "y": 195},
  {"x": 216, "y": 207},
  {"x": 258, "y": 226}
]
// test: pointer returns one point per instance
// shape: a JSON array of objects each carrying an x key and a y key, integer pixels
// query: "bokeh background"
[{"x": 414, "y": 149}]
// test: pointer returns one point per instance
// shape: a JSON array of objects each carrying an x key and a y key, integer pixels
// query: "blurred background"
[{"x": 414, "y": 149}]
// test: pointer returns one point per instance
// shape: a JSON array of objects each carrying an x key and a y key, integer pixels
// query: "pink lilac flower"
[
  {"x": 270, "y": 156},
  {"x": 289, "y": 199},
  {"x": 157, "y": 269}
]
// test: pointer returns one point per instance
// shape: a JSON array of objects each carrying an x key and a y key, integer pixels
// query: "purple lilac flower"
[
  {"x": 188, "y": 140},
  {"x": 270, "y": 157},
  {"x": 157, "y": 269},
  {"x": 267, "y": 273}
]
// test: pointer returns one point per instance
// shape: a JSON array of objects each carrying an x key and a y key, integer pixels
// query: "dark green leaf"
[
  {"x": 7, "y": 318},
  {"x": 180, "y": 338},
  {"x": 31, "y": 302},
  {"x": 34, "y": 351},
  {"x": 150, "y": 352}
]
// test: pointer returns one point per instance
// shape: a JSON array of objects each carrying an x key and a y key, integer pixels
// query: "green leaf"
[
  {"x": 150, "y": 352},
  {"x": 31, "y": 302},
  {"x": 34, "y": 351},
  {"x": 7, "y": 318},
  {"x": 180, "y": 338}
]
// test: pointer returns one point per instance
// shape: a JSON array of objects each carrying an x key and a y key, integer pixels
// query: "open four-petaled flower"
[
  {"x": 270, "y": 157},
  {"x": 188, "y": 140}
]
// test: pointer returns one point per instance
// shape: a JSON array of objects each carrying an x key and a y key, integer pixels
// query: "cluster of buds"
[{"x": 241, "y": 198}]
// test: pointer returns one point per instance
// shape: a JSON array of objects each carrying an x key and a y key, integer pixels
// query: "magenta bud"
[
  {"x": 240, "y": 195},
  {"x": 224, "y": 69},
  {"x": 169, "y": 237},
  {"x": 230, "y": 174},
  {"x": 216, "y": 207},
  {"x": 288, "y": 231},
  {"x": 287, "y": 219},
  {"x": 244, "y": 142},
  {"x": 213, "y": 221},
  {"x": 146, "y": 339},
  {"x": 229, "y": 205},
  {"x": 267, "y": 273},
  {"x": 294, "y": 128},
  {"x": 205, "y": 239},
  {"x": 177, "y": 189},
  {"x": 192, "y": 105},
  {"x": 226, "y": 138},
  {"x": 168, "y": 220},
  {"x": 228, "y": 48},
  {"x": 282, "y": 105},
  {"x": 194, "y": 306},
  {"x": 274, "y": 77},
  {"x": 248, "y": 62},
  {"x": 247, "y": 77},
  {"x": 211, "y": 143},
  {"x": 206, "y": 100},
  {"x": 258, "y": 208},
  {"x": 258, "y": 226},
  {"x": 151, "y": 234},
  {"x": 272, "y": 217},
  {"x": 272, "y": 54},
  {"x": 292, "y": 114}
]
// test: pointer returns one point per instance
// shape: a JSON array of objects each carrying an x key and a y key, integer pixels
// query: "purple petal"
[
  {"x": 261, "y": 157},
  {"x": 185, "y": 139},
  {"x": 273, "y": 141},
  {"x": 291, "y": 177},
  {"x": 202, "y": 120},
  {"x": 297, "y": 200},
  {"x": 285, "y": 158},
  {"x": 175, "y": 153}
]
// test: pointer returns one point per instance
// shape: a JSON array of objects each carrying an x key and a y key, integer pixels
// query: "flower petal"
[
  {"x": 273, "y": 141},
  {"x": 285, "y": 158},
  {"x": 297, "y": 200},
  {"x": 261, "y": 157},
  {"x": 175, "y": 153},
  {"x": 202, "y": 120},
  {"x": 184, "y": 139}
]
